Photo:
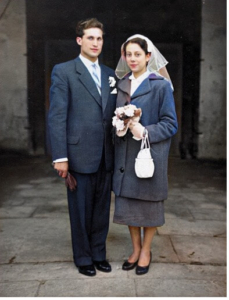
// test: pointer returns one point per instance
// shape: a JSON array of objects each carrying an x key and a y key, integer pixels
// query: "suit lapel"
[
  {"x": 105, "y": 87},
  {"x": 87, "y": 81}
]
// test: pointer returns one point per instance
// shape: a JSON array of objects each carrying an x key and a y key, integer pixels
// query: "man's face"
[{"x": 91, "y": 43}]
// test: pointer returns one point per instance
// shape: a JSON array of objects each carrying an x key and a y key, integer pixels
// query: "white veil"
[{"x": 156, "y": 62}]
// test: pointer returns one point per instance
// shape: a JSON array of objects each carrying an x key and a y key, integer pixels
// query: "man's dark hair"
[{"x": 89, "y": 23}]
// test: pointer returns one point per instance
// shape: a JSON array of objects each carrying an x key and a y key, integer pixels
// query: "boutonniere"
[{"x": 112, "y": 83}]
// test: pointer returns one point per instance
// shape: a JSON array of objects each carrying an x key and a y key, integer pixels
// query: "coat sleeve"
[
  {"x": 167, "y": 125},
  {"x": 58, "y": 110}
]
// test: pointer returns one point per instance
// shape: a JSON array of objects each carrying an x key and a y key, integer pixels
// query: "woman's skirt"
[{"x": 139, "y": 213}]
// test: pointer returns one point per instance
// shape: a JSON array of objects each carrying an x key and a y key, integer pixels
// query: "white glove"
[{"x": 137, "y": 130}]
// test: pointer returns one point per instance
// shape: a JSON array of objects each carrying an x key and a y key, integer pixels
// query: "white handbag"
[{"x": 144, "y": 165}]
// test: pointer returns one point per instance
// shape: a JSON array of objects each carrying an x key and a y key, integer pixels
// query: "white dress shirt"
[
  {"x": 135, "y": 82},
  {"x": 88, "y": 64}
]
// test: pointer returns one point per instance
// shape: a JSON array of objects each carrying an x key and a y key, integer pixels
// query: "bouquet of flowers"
[{"x": 124, "y": 116}]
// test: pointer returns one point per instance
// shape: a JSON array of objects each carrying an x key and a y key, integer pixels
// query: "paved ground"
[{"x": 189, "y": 251}]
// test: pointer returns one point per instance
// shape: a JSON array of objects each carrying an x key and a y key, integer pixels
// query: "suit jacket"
[
  {"x": 154, "y": 96},
  {"x": 80, "y": 119}
]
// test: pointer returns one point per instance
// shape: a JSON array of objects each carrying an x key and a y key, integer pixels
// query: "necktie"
[{"x": 96, "y": 76}]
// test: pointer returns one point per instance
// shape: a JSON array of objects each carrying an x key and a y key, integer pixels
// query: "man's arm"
[{"x": 57, "y": 120}]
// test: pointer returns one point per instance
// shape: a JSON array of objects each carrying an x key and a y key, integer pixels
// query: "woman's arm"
[{"x": 167, "y": 125}]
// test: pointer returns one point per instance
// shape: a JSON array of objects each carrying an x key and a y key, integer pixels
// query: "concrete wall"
[
  {"x": 13, "y": 77},
  {"x": 212, "y": 108}
]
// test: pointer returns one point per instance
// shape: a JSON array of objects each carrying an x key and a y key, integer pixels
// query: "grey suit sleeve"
[
  {"x": 167, "y": 125},
  {"x": 57, "y": 118}
]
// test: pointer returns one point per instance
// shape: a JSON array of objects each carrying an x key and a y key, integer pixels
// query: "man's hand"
[{"x": 62, "y": 168}]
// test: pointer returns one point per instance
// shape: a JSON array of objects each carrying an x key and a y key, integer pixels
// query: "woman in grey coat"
[{"x": 140, "y": 202}]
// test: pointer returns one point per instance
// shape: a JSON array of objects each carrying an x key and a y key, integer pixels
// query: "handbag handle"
[{"x": 145, "y": 142}]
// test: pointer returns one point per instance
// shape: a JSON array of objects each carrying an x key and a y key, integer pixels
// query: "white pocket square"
[{"x": 114, "y": 91}]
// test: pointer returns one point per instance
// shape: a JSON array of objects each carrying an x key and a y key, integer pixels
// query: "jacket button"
[{"x": 121, "y": 170}]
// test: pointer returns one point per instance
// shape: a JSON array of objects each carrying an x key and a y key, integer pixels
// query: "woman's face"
[{"x": 136, "y": 59}]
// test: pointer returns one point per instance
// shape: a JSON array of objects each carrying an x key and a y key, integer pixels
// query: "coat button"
[{"x": 121, "y": 170}]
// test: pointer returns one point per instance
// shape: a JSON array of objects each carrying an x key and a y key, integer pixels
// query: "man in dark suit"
[{"x": 82, "y": 103}]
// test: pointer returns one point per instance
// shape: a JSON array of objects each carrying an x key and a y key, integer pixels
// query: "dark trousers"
[{"x": 89, "y": 210}]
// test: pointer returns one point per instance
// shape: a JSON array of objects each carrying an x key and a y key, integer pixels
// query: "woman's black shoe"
[
  {"x": 129, "y": 266},
  {"x": 143, "y": 270}
]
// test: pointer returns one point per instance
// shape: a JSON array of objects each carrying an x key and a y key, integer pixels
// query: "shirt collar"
[
  {"x": 88, "y": 63},
  {"x": 140, "y": 78}
]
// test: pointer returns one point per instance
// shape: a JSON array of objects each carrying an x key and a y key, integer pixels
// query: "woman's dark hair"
[
  {"x": 142, "y": 43},
  {"x": 86, "y": 24}
]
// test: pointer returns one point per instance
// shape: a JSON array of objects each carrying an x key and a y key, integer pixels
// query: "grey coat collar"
[{"x": 144, "y": 88}]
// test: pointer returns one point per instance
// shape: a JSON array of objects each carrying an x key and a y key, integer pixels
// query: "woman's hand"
[
  {"x": 137, "y": 129},
  {"x": 62, "y": 168}
]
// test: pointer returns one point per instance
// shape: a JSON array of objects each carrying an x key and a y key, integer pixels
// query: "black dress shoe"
[
  {"x": 143, "y": 270},
  {"x": 103, "y": 266},
  {"x": 127, "y": 266},
  {"x": 87, "y": 270}
]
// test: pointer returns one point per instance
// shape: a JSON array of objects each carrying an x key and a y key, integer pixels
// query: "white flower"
[
  {"x": 114, "y": 120},
  {"x": 112, "y": 81},
  {"x": 119, "y": 110},
  {"x": 129, "y": 110},
  {"x": 119, "y": 125}
]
